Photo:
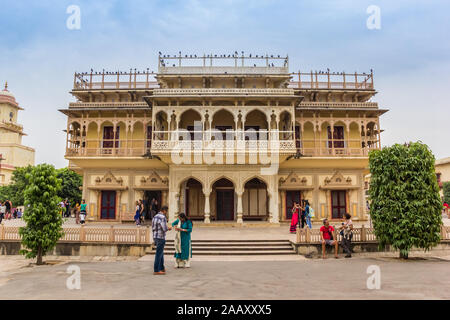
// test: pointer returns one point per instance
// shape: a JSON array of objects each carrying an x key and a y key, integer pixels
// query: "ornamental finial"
[{"x": 6, "y": 86}]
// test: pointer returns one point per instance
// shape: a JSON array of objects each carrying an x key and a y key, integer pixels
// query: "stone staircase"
[{"x": 233, "y": 247}]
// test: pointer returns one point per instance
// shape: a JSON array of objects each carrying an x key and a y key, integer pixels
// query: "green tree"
[
  {"x": 446, "y": 189},
  {"x": 405, "y": 203},
  {"x": 71, "y": 183},
  {"x": 19, "y": 182},
  {"x": 5, "y": 193},
  {"x": 15, "y": 190},
  {"x": 43, "y": 221}
]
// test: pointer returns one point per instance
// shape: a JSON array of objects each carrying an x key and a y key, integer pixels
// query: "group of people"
[
  {"x": 301, "y": 215},
  {"x": 80, "y": 210},
  {"x": 183, "y": 249},
  {"x": 145, "y": 211},
  {"x": 328, "y": 239},
  {"x": 7, "y": 211},
  {"x": 65, "y": 208}
]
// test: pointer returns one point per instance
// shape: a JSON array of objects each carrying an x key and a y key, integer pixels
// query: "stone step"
[
  {"x": 240, "y": 253},
  {"x": 235, "y": 248},
  {"x": 236, "y": 241},
  {"x": 258, "y": 245}
]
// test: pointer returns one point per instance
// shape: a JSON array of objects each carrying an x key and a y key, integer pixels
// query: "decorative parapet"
[
  {"x": 108, "y": 182},
  {"x": 343, "y": 105},
  {"x": 154, "y": 181},
  {"x": 224, "y": 70},
  {"x": 293, "y": 181},
  {"x": 223, "y": 91},
  {"x": 338, "y": 181}
]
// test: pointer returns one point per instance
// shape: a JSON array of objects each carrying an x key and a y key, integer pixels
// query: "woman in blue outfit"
[
  {"x": 137, "y": 216},
  {"x": 308, "y": 214},
  {"x": 183, "y": 249}
]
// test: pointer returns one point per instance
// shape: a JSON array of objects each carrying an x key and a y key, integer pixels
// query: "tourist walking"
[
  {"x": 294, "y": 219},
  {"x": 302, "y": 214},
  {"x": 83, "y": 211},
  {"x": 183, "y": 248},
  {"x": 146, "y": 208},
  {"x": 308, "y": 214},
  {"x": 67, "y": 204},
  {"x": 8, "y": 206},
  {"x": 2, "y": 211},
  {"x": 142, "y": 213},
  {"x": 137, "y": 215},
  {"x": 154, "y": 207},
  {"x": 159, "y": 230},
  {"x": 326, "y": 235},
  {"x": 347, "y": 234},
  {"x": 77, "y": 213}
]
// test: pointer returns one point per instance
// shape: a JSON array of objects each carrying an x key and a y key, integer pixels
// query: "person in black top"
[
  {"x": 67, "y": 208},
  {"x": 8, "y": 209},
  {"x": 154, "y": 207},
  {"x": 146, "y": 210}
]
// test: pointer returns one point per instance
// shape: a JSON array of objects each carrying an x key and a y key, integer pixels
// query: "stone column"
[
  {"x": 240, "y": 211},
  {"x": 173, "y": 205},
  {"x": 315, "y": 202},
  {"x": 273, "y": 210},
  {"x": 207, "y": 207},
  {"x": 163, "y": 198}
]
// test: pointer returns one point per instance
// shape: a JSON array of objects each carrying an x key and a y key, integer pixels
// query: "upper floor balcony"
[
  {"x": 166, "y": 143},
  {"x": 233, "y": 130}
]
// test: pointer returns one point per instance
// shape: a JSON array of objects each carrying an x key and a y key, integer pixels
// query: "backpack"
[{"x": 311, "y": 212}]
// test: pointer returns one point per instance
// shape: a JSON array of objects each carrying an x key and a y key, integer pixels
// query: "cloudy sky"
[{"x": 410, "y": 53}]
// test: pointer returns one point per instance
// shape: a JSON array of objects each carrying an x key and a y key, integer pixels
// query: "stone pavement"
[{"x": 299, "y": 279}]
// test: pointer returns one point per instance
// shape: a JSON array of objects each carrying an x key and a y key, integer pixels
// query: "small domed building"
[{"x": 12, "y": 153}]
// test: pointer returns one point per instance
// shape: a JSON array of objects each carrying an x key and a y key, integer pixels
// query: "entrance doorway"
[
  {"x": 338, "y": 204},
  {"x": 255, "y": 201},
  {"x": 149, "y": 195},
  {"x": 292, "y": 196},
  {"x": 225, "y": 204},
  {"x": 194, "y": 200},
  {"x": 224, "y": 191},
  {"x": 108, "y": 205}
]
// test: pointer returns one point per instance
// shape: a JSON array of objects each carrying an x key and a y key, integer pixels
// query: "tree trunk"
[
  {"x": 403, "y": 255},
  {"x": 39, "y": 257}
]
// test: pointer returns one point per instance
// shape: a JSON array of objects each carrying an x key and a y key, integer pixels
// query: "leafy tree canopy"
[
  {"x": 15, "y": 190},
  {"x": 43, "y": 221},
  {"x": 70, "y": 189},
  {"x": 71, "y": 183},
  {"x": 446, "y": 189},
  {"x": 405, "y": 203}
]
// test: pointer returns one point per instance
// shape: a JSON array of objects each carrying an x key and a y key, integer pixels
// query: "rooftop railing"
[
  {"x": 148, "y": 80},
  {"x": 331, "y": 80}
]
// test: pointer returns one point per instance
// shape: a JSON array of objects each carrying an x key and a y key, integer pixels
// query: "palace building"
[
  {"x": 223, "y": 138},
  {"x": 12, "y": 153}
]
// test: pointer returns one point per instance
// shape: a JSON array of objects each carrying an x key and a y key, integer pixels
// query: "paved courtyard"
[{"x": 256, "y": 278}]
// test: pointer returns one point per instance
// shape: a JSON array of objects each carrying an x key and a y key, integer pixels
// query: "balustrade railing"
[
  {"x": 362, "y": 234},
  {"x": 232, "y": 140},
  {"x": 108, "y": 234},
  {"x": 223, "y": 91}
]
